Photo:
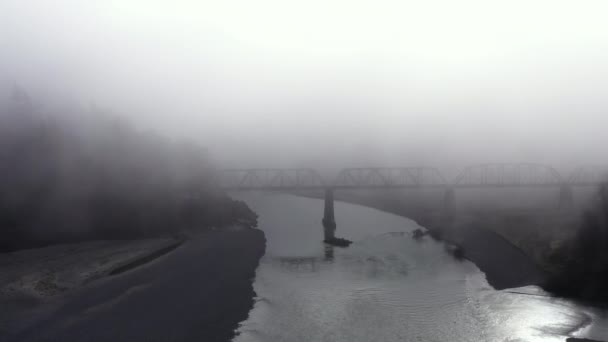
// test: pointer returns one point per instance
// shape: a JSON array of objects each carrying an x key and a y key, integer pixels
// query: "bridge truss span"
[
  {"x": 589, "y": 175},
  {"x": 413, "y": 177},
  {"x": 509, "y": 175},
  {"x": 475, "y": 176},
  {"x": 270, "y": 179}
]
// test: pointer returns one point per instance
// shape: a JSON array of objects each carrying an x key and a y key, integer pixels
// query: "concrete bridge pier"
[
  {"x": 449, "y": 200},
  {"x": 329, "y": 220},
  {"x": 566, "y": 197}
]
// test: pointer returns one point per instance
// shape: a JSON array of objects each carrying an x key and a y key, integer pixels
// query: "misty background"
[
  {"x": 116, "y": 115},
  {"x": 327, "y": 83}
]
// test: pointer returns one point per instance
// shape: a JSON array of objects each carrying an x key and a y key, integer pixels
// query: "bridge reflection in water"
[
  {"x": 523, "y": 175},
  {"x": 307, "y": 263}
]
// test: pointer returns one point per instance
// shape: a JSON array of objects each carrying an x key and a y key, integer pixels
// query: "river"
[{"x": 386, "y": 286}]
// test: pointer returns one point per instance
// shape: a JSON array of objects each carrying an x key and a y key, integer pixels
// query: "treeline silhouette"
[
  {"x": 74, "y": 176},
  {"x": 584, "y": 261}
]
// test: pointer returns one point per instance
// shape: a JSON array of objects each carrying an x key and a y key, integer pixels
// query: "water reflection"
[
  {"x": 329, "y": 253},
  {"x": 385, "y": 287},
  {"x": 308, "y": 264}
]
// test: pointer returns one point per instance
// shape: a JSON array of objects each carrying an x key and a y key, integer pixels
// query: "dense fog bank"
[{"x": 74, "y": 174}]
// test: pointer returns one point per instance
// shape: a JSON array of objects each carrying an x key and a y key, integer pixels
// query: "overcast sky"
[{"x": 279, "y": 82}]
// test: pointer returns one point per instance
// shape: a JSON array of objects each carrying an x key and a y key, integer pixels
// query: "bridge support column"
[
  {"x": 329, "y": 221},
  {"x": 449, "y": 200},
  {"x": 566, "y": 197}
]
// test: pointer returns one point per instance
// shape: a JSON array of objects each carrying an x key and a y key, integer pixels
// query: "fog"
[
  {"x": 328, "y": 83},
  {"x": 133, "y": 124}
]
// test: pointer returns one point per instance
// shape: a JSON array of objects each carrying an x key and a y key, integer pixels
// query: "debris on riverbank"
[
  {"x": 419, "y": 234},
  {"x": 48, "y": 271},
  {"x": 338, "y": 242},
  {"x": 455, "y": 250}
]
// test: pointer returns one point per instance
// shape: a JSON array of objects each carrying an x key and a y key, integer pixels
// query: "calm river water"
[{"x": 386, "y": 286}]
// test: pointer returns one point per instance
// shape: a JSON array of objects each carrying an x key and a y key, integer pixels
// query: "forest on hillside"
[
  {"x": 72, "y": 175},
  {"x": 583, "y": 262}
]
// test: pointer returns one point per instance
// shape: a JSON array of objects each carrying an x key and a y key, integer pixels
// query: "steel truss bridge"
[
  {"x": 475, "y": 176},
  {"x": 524, "y": 175}
]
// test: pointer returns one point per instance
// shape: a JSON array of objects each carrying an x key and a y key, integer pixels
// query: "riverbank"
[
  {"x": 199, "y": 291},
  {"x": 45, "y": 272},
  {"x": 504, "y": 264}
]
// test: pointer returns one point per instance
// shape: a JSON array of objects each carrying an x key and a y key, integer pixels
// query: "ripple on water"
[{"x": 385, "y": 287}]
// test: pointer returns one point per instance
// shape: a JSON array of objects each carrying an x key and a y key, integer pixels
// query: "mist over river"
[{"x": 386, "y": 286}]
